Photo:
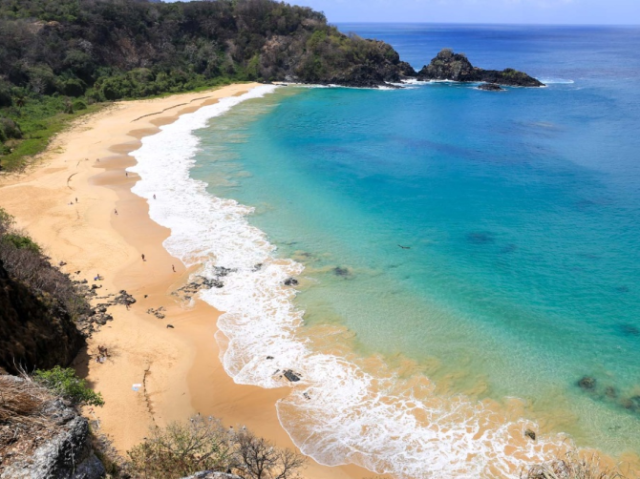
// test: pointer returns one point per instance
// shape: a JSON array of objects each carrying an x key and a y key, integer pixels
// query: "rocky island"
[{"x": 448, "y": 65}]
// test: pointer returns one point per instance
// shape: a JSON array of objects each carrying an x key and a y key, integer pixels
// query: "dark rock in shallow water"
[
  {"x": 629, "y": 330},
  {"x": 490, "y": 87},
  {"x": 221, "y": 271},
  {"x": 587, "y": 383},
  {"x": 611, "y": 392},
  {"x": 291, "y": 376},
  {"x": 344, "y": 272},
  {"x": 530, "y": 434},
  {"x": 510, "y": 248},
  {"x": 448, "y": 65},
  {"x": 291, "y": 282},
  {"x": 632, "y": 403},
  {"x": 480, "y": 237}
]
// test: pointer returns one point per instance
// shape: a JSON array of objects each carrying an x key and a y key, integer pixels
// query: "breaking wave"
[{"x": 337, "y": 412}]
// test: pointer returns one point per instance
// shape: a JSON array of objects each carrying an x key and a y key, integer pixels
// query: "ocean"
[{"x": 466, "y": 263}]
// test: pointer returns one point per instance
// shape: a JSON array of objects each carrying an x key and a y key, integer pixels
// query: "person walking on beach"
[
  {"x": 143, "y": 258},
  {"x": 115, "y": 211},
  {"x": 126, "y": 173},
  {"x": 173, "y": 268}
]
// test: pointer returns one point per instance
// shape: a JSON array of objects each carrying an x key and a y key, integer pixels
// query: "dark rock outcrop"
[
  {"x": 587, "y": 383},
  {"x": 448, "y": 65},
  {"x": 490, "y": 87},
  {"x": 35, "y": 332}
]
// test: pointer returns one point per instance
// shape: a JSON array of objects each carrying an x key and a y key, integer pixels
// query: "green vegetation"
[
  {"x": 21, "y": 242},
  {"x": 64, "y": 382},
  {"x": 61, "y": 59}
]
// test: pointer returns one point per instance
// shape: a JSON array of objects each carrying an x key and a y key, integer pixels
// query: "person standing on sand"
[
  {"x": 143, "y": 258},
  {"x": 115, "y": 211},
  {"x": 173, "y": 268}
]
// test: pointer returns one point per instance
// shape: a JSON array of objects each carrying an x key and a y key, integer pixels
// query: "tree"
[
  {"x": 259, "y": 459},
  {"x": 21, "y": 100}
]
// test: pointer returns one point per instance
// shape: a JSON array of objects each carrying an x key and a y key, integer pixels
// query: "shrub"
[
  {"x": 181, "y": 450},
  {"x": 79, "y": 105},
  {"x": 26, "y": 263},
  {"x": 21, "y": 242},
  {"x": 203, "y": 444},
  {"x": 73, "y": 87},
  {"x": 5, "y": 95},
  {"x": 65, "y": 383},
  {"x": 10, "y": 128}
]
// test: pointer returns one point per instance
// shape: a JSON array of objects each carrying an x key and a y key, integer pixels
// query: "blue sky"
[{"x": 480, "y": 11}]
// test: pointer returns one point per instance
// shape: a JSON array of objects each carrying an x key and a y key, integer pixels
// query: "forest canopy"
[{"x": 59, "y": 57}]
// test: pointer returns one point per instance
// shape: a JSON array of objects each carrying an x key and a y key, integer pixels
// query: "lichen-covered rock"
[{"x": 57, "y": 446}]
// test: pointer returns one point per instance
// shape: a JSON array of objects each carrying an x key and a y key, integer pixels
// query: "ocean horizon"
[{"x": 466, "y": 263}]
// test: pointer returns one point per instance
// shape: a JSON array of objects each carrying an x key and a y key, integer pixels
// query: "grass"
[
  {"x": 43, "y": 118},
  {"x": 21, "y": 401},
  {"x": 40, "y": 121}
]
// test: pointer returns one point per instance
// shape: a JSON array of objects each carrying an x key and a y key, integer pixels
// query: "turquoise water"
[{"x": 519, "y": 213}]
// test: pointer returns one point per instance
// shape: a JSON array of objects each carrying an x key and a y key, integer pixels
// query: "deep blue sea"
[{"x": 492, "y": 239}]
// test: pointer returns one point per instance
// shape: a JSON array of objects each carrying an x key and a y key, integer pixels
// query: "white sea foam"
[
  {"x": 338, "y": 413},
  {"x": 556, "y": 81}
]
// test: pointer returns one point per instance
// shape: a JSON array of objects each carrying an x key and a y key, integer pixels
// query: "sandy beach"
[{"x": 76, "y": 201}]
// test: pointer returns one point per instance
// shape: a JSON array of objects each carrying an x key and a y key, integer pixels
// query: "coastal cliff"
[
  {"x": 448, "y": 65},
  {"x": 35, "y": 332}
]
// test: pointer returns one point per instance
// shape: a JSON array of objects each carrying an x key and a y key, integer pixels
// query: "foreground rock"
[
  {"x": 448, "y": 65},
  {"x": 41, "y": 437},
  {"x": 212, "y": 475}
]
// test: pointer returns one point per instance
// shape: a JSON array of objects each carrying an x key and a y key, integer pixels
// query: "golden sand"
[{"x": 178, "y": 367}]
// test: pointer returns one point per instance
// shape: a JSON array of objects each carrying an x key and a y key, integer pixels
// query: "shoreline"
[{"x": 179, "y": 367}]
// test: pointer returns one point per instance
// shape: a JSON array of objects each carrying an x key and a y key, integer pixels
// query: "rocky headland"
[{"x": 451, "y": 66}]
